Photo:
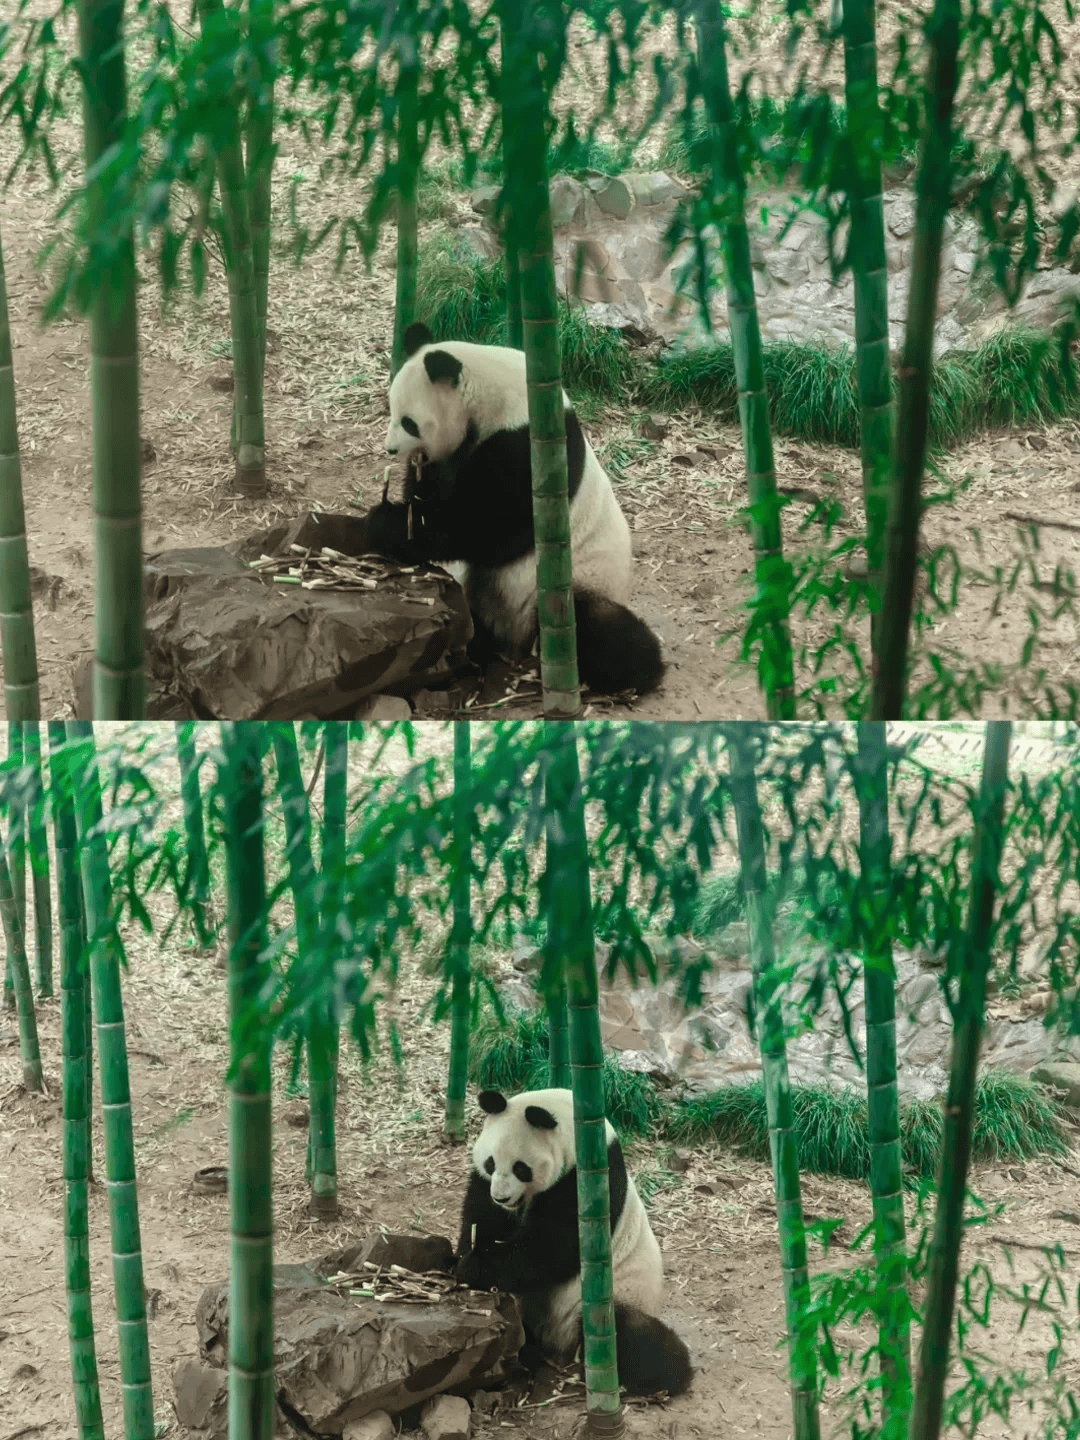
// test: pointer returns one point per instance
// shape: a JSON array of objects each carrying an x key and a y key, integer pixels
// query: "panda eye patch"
[
  {"x": 522, "y": 1171},
  {"x": 410, "y": 427},
  {"x": 489, "y": 1166}
]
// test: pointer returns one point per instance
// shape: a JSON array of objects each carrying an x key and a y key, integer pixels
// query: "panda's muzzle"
[{"x": 509, "y": 1204}]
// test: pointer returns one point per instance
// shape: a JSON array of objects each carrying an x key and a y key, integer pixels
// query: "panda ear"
[
  {"x": 416, "y": 335},
  {"x": 541, "y": 1118},
  {"x": 491, "y": 1102},
  {"x": 441, "y": 365}
]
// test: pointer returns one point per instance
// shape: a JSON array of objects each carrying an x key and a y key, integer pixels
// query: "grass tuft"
[{"x": 1014, "y": 1120}]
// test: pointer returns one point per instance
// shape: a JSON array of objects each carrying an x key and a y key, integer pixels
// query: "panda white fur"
[
  {"x": 522, "y": 1199},
  {"x": 465, "y": 407}
]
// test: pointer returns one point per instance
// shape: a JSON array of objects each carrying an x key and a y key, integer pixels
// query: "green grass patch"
[
  {"x": 514, "y": 1057},
  {"x": 1017, "y": 378},
  {"x": 1014, "y": 1120}
]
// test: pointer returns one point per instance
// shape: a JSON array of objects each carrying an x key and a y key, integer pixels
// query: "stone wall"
[{"x": 618, "y": 224}]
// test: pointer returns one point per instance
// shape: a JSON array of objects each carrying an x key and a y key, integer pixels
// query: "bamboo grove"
[
  {"x": 563, "y": 833},
  {"x": 211, "y": 105}
]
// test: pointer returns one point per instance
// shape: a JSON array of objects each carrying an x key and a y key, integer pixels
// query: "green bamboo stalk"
[
  {"x": 556, "y": 949},
  {"x": 29, "y": 1049},
  {"x": 525, "y": 125},
  {"x": 408, "y": 169},
  {"x": 259, "y": 160},
  {"x": 515, "y": 330},
  {"x": 460, "y": 936},
  {"x": 772, "y": 573},
  {"x": 88, "y": 1014},
  {"x": 18, "y": 820},
  {"x": 969, "y": 1018},
  {"x": 568, "y": 887},
  {"x": 933, "y": 184},
  {"x": 106, "y": 952},
  {"x": 17, "y": 646},
  {"x": 243, "y": 307},
  {"x": 882, "y": 1093},
  {"x": 16, "y": 856},
  {"x": 333, "y": 848},
  {"x": 199, "y": 867},
  {"x": 251, "y": 1271},
  {"x": 84, "y": 1372},
  {"x": 39, "y": 862},
  {"x": 119, "y": 676},
  {"x": 770, "y": 1026},
  {"x": 306, "y": 904},
  {"x": 873, "y": 368}
]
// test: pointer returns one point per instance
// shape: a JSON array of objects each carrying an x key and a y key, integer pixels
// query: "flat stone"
[
  {"x": 1062, "y": 1075},
  {"x": 484, "y": 198},
  {"x": 900, "y": 217},
  {"x": 788, "y": 266},
  {"x": 376, "y": 1426},
  {"x": 567, "y": 200},
  {"x": 614, "y": 198},
  {"x": 446, "y": 1417}
]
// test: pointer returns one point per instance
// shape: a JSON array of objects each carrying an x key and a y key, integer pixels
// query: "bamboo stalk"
[
  {"x": 408, "y": 169},
  {"x": 119, "y": 677},
  {"x": 870, "y": 271},
  {"x": 77, "y": 1080},
  {"x": 568, "y": 889},
  {"x": 243, "y": 306},
  {"x": 106, "y": 951},
  {"x": 741, "y": 739},
  {"x": 191, "y": 798},
  {"x": 927, "y": 1411},
  {"x": 933, "y": 184},
  {"x": 29, "y": 1049},
  {"x": 306, "y": 903},
  {"x": 460, "y": 935},
  {"x": 882, "y": 1091},
  {"x": 525, "y": 119},
  {"x": 39, "y": 862},
  {"x": 17, "y": 645},
  {"x": 771, "y": 571},
  {"x": 251, "y": 1217}
]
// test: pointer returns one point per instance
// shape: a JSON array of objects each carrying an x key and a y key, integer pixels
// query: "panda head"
[
  {"x": 526, "y": 1145},
  {"x": 427, "y": 410}
]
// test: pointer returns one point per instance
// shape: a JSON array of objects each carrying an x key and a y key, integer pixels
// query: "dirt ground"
[
  {"x": 716, "y": 1222},
  {"x": 326, "y": 380}
]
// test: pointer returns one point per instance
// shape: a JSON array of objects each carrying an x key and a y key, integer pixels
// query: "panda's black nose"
[{"x": 391, "y": 449}]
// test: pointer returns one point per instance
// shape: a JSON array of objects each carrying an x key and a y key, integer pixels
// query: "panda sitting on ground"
[
  {"x": 522, "y": 1199},
  {"x": 462, "y": 410}
]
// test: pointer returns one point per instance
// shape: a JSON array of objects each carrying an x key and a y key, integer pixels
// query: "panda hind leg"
[
  {"x": 651, "y": 1357},
  {"x": 616, "y": 650}
]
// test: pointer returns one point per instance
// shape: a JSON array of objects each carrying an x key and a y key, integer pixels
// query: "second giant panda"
[
  {"x": 522, "y": 1201},
  {"x": 470, "y": 507}
]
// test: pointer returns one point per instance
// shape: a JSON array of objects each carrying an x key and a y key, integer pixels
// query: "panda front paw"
[{"x": 470, "y": 1270}]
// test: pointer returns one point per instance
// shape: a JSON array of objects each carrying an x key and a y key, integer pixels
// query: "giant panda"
[
  {"x": 522, "y": 1200},
  {"x": 469, "y": 507}
]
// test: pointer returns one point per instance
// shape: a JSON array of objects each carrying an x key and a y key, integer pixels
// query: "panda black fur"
[
  {"x": 466, "y": 407},
  {"x": 522, "y": 1198}
]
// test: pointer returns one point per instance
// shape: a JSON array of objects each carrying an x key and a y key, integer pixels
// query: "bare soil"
[{"x": 326, "y": 379}]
